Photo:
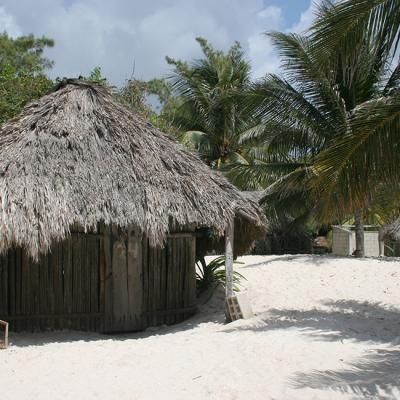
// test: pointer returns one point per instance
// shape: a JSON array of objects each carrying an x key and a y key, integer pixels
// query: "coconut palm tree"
[
  {"x": 210, "y": 117},
  {"x": 372, "y": 139},
  {"x": 321, "y": 100}
]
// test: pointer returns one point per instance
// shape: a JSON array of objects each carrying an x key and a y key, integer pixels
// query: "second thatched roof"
[
  {"x": 77, "y": 156},
  {"x": 390, "y": 231}
]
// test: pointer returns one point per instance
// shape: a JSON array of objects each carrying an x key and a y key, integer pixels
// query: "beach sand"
[{"x": 325, "y": 328}]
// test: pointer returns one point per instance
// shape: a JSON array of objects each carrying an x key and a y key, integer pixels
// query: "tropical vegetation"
[
  {"x": 210, "y": 116},
  {"x": 213, "y": 273},
  {"x": 22, "y": 72}
]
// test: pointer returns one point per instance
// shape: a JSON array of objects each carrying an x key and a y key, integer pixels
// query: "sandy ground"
[{"x": 325, "y": 328}]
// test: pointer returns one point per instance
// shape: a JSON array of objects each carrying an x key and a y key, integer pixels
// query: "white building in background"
[{"x": 344, "y": 241}]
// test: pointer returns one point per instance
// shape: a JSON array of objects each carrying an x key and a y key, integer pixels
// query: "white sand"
[{"x": 327, "y": 328}]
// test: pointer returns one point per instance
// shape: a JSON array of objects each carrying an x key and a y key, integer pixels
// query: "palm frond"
[
  {"x": 367, "y": 155},
  {"x": 345, "y": 25}
]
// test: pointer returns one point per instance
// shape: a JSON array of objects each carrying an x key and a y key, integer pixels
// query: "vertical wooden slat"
[
  {"x": 68, "y": 280},
  {"x": 25, "y": 304},
  {"x": 120, "y": 293},
  {"x": 170, "y": 280},
  {"x": 160, "y": 300},
  {"x": 135, "y": 279},
  {"x": 85, "y": 281},
  {"x": 184, "y": 249},
  {"x": 109, "y": 284},
  {"x": 11, "y": 283},
  {"x": 190, "y": 265},
  {"x": 156, "y": 286},
  {"x": 43, "y": 278},
  {"x": 102, "y": 277},
  {"x": 145, "y": 268},
  {"x": 175, "y": 278},
  {"x": 52, "y": 260},
  {"x": 185, "y": 243},
  {"x": 192, "y": 273},
  {"x": 152, "y": 285},
  {"x": 18, "y": 287},
  {"x": 93, "y": 259},
  {"x": 29, "y": 276},
  {"x": 57, "y": 283},
  {"x": 88, "y": 254},
  {"x": 60, "y": 294},
  {"x": 76, "y": 279},
  {"x": 178, "y": 292},
  {"x": 35, "y": 283},
  {"x": 183, "y": 263},
  {"x": 4, "y": 287},
  {"x": 151, "y": 303},
  {"x": 163, "y": 284}
]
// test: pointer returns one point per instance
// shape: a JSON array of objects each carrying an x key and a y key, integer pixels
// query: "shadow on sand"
[
  {"x": 210, "y": 310},
  {"x": 374, "y": 376},
  {"x": 317, "y": 259},
  {"x": 25, "y": 339}
]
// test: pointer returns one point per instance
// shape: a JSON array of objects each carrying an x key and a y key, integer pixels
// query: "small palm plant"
[{"x": 214, "y": 273}]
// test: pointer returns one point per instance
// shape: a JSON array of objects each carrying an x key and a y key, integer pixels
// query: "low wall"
[{"x": 344, "y": 242}]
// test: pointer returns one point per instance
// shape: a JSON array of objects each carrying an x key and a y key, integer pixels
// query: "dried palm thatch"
[
  {"x": 79, "y": 157},
  {"x": 390, "y": 231}
]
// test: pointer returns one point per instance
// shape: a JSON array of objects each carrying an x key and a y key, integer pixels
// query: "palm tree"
[
  {"x": 210, "y": 118},
  {"x": 300, "y": 113},
  {"x": 316, "y": 105},
  {"x": 370, "y": 144}
]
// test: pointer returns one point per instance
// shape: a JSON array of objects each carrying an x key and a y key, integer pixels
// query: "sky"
[{"x": 126, "y": 36}]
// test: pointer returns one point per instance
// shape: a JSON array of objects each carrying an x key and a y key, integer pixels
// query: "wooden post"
[
  {"x": 4, "y": 324},
  {"x": 229, "y": 258},
  {"x": 381, "y": 248}
]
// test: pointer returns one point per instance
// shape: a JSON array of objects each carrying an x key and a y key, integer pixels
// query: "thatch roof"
[
  {"x": 77, "y": 156},
  {"x": 390, "y": 231}
]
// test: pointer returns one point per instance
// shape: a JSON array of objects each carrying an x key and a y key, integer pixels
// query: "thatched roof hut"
[{"x": 77, "y": 161}]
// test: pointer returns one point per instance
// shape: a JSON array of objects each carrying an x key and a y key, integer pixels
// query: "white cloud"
[
  {"x": 8, "y": 24},
  {"x": 115, "y": 34},
  {"x": 264, "y": 58},
  {"x": 306, "y": 19},
  {"x": 260, "y": 49}
]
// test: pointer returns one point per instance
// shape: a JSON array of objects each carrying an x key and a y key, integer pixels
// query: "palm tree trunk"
[{"x": 359, "y": 233}]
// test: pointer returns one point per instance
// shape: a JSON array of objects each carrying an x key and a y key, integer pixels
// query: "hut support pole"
[
  {"x": 229, "y": 258},
  {"x": 381, "y": 248}
]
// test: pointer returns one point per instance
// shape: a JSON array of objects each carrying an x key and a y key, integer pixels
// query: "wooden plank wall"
[
  {"x": 169, "y": 281},
  {"x": 123, "y": 281},
  {"x": 105, "y": 282},
  {"x": 61, "y": 291}
]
